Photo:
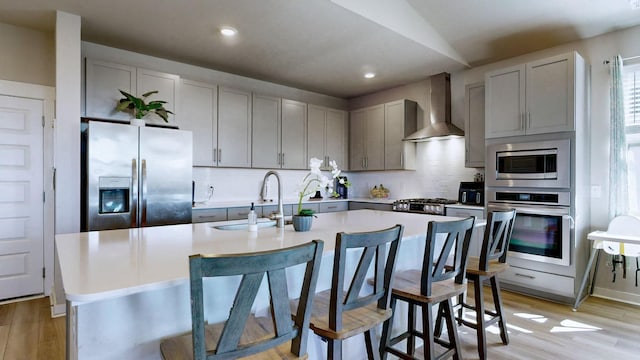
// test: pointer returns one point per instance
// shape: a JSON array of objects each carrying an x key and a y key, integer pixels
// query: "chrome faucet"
[{"x": 279, "y": 216}]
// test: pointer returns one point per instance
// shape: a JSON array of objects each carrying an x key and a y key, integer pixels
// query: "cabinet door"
[
  {"x": 505, "y": 102},
  {"x": 316, "y": 133},
  {"x": 400, "y": 120},
  {"x": 102, "y": 82},
  {"x": 374, "y": 138},
  {"x": 550, "y": 90},
  {"x": 199, "y": 114},
  {"x": 357, "y": 129},
  {"x": 167, "y": 86},
  {"x": 474, "y": 125},
  {"x": 336, "y": 131},
  {"x": 266, "y": 132},
  {"x": 234, "y": 128},
  {"x": 294, "y": 135}
]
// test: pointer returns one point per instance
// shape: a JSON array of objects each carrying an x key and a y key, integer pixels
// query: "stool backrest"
[
  {"x": 497, "y": 235},
  {"x": 252, "y": 268},
  {"x": 374, "y": 249},
  {"x": 437, "y": 264}
]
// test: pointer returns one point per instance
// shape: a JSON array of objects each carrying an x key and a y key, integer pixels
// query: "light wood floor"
[
  {"x": 28, "y": 332},
  {"x": 600, "y": 329}
]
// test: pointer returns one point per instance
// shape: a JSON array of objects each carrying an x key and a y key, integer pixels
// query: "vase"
[
  {"x": 137, "y": 122},
  {"x": 302, "y": 222}
]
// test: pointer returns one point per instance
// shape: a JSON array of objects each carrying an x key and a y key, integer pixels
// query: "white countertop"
[{"x": 105, "y": 264}]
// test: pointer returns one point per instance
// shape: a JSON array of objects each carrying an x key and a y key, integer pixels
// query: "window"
[{"x": 632, "y": 130}]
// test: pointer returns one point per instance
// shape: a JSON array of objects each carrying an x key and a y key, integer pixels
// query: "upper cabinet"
[
  {"x": 293, "y": 131},
  {"x": 327, "y": 136},
  {"x": 104, "y": 79},
  {"x": 400, "y": 121},
  {"x": 366, "y": 139},
  {"x": 279, "y": 133},
  {"x": 533, "y": 98},
  {"x": 376, "y": 135},
  {"x": 200, "y": 115},
  {"x": 474, "y": 101},
  {"x": 234, "y": 128},
  {"x": 266, "y": 151}
]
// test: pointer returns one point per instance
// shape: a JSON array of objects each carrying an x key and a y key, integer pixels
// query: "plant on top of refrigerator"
[{"x": 140, "y": 108}]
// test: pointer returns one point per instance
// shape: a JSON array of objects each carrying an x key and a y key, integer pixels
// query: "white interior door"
[{"x": 21, "y": 197}]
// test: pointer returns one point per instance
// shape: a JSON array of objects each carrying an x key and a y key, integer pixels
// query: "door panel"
[{"x": 21, "y": 197}]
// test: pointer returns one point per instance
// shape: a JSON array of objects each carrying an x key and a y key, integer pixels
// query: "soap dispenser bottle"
[{"x": 252, "y": 219}]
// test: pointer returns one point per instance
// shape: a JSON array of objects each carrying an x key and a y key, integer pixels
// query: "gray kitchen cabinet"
[
  {"x": 327, "y": 135},
  {"x": 293, "y": 131},
  {"x": 533, "y": 98},
  {"x": 103, "y": 79},
  {"x": 199, "y": 109},
  {"x": 474, "y": 101},
  {"x": 242, "y": 212},
  {"x": 270, "y": 209},
  {"x": 208, "y": 215},
  {"x": 400, "y": 120},
  {"x": 358, "y": 205},
  {"x": 266, "y": 150},
  {"x": 279, "y": 133},
  {"x": 334, "y": 206},
  {"x": 234, "y": 128},
  {"x": 366, "y": 139}
]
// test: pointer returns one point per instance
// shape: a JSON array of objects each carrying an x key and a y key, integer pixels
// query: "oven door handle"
[
  {"x": 531, "y": 209},
  {"x": 572, "y": 223}
]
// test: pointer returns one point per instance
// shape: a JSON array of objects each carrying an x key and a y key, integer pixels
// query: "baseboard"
[
  {"x": 625, "y": 297},
  {"x": 57, "y": 310}
]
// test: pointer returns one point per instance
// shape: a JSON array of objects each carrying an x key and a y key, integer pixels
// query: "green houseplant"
[{"x": 140, "y": 107}]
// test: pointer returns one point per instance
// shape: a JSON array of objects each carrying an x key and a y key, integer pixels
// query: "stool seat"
[
  {"x": 257, "y": 330},
  {"x": 407, "y": 286},
  {"x": 495, "y": 267},
  {"x": 355, "y": 321}
]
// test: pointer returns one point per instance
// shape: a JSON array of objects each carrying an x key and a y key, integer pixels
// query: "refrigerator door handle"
[
  {"x": 143, "y": 194},
  {"x": 134, "y": 193}
]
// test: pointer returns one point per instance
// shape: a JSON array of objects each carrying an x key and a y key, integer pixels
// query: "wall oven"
[
  {"x": 542, "y": 229},
  {"x": 530, "y": 164}
]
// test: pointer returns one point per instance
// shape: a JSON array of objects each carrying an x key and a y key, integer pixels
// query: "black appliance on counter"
[{"x": 471, "y": 193}]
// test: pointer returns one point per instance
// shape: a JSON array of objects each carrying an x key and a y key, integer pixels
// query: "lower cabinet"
[
  {"x": 537, "y": 280},
  {"x": 208, "y": 215}
]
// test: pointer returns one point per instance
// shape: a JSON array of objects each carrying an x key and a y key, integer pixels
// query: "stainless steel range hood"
[{"x": 440, "y": 119}]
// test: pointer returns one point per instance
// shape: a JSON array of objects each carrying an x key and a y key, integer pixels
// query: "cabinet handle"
[
  {"x": 243, "y": 213},
  {"x": 366, "y": 162},
  {"x": 528, "y": 120},
  {"x": 362, "y": 162},
  {"x": 219, "y": 155},
  {"x": 525, "y": 276},
  {"x": 282, "y": 163},
  {"x": 332, "y": 207},
  {"x": 401, "y": 160},
  {"x": 522, "y": 121},
  {"x": 215, "y": 155}
]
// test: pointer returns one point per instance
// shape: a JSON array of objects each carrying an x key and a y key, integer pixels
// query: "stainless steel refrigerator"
[{"x": 135, "y": 176}]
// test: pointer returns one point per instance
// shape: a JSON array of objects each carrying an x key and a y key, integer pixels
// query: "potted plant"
[
  {"x": 314, "y": 181},
  {"x": 141, "y": 108}
]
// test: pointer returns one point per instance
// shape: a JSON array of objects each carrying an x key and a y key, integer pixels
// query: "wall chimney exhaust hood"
[{"x": 440, "y": 119}]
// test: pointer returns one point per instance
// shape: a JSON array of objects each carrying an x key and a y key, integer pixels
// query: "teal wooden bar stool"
[
  {"x": 435, "y": 284},
  {"x": 244, "y": 335}
]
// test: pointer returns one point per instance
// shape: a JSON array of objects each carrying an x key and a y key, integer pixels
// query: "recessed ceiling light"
[
  {"x": 370, "y": 75},
  {"x": 228, "y": 31}
]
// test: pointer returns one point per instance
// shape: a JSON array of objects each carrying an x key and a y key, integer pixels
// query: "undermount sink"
[{"x": 262, "y": 223}]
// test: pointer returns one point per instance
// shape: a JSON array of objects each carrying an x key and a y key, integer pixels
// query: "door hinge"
[{"x": 44, "y": 272}]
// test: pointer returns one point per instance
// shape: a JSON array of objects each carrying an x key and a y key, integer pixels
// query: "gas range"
[{"x": 422, "y": 206}]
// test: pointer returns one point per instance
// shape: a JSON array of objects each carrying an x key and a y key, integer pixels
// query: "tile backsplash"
[{"x": 439, "y": 171}]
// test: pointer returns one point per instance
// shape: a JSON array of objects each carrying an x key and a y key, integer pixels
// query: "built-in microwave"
[{"x": 531, "y": 164}]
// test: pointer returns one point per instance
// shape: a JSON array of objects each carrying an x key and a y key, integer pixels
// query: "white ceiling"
[{"x": 326, "y": 45}]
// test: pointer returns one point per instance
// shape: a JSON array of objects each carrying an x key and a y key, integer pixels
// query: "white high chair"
[{"x": 625, "y": 225}]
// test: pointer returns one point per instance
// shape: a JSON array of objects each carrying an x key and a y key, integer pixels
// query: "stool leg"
[
  {"x": 480, "y": 331},
  {"x": 386, "y": 330},
  {"x": 497, "y": 303},
  {"x": 370, "y": 340},
  {"x": 427, "y": 331},
  {"x": 451, "y": 329},
  {"x": 335, "y": 349},
  {"x": 437, "y": 332},
  {"x": 411, "y": 340}
]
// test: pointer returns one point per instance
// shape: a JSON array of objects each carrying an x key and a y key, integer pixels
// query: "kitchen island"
[{"x": 128, "y": 289}]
